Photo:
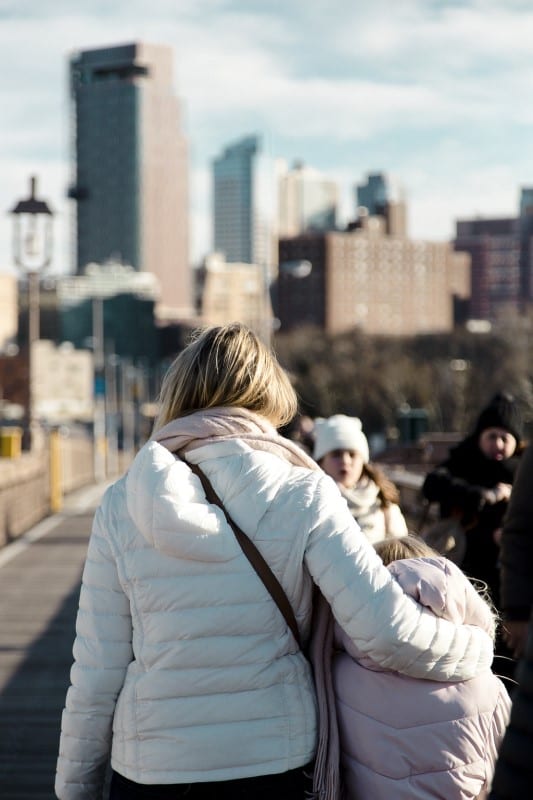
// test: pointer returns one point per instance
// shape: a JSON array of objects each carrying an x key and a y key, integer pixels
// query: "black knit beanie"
[{"x": 501, "y": 412}]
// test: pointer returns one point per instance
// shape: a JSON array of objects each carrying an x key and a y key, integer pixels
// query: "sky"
[{"x": 438, "y": 93}]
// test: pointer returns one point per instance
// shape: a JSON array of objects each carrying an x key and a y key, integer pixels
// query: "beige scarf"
[{"x": 224, "y": 424}]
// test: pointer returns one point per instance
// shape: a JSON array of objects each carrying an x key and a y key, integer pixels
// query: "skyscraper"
[
  {"x": 244, "y": 204},
  {"x": 383, "y": 196},
  {"x": 307, "y": 201},
  {"x": 526, "y": 244},
  {"x": 131, "y": 170},
  {"x": 495, "y": 251}
]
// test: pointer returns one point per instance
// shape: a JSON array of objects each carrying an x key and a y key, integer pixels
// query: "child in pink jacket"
[{"x": 409, "y": 739}]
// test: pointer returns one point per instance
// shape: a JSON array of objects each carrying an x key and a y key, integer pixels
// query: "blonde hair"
[
  {"x": 226, "y": 365},
  {"x": 409, "y": 546}
]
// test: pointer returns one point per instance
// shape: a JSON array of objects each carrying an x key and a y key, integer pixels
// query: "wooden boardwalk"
[{"x": 39, "y": 588}]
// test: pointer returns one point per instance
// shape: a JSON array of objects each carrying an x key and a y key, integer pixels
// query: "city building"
[
  {"x": 494, "y": 247},
  {"x": 62, "y": 383},
  {"x": 128, "y": 300},
  {"x": 365, "y": 277},
  {"x": 383, "y": 196},
  {"x": 234, "y": 292},
  {"x": 526, "y": 243},
  {"x": 307, "y": 201},
  {"x": 130, "y": 166},
  {"x": 245, "y": 204},
  {"x": 8, "y": 311}
]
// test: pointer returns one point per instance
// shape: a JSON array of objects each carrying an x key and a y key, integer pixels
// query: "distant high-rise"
[
  {"x": 495, "y": 253},
  {"x": 307, "y": 201},
  {"x": 383, "y": 196},
  {"x": 244, "y": 204},
  {"x": 367, "y": 278},
  {"x": 526, "y": 243},
  {"x": 131, "y": 169}
]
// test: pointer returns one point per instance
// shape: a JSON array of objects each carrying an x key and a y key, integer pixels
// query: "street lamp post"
[
  {"x": 459, "y": 368},
  {"x": 99, "y": 426},
  {"x": 32, "y": 253}
]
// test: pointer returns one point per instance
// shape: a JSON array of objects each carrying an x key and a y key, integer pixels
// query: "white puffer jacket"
[{"x": 181, "y": 652}]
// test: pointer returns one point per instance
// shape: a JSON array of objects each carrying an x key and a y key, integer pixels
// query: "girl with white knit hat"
[{"x": 341, "y": 449}]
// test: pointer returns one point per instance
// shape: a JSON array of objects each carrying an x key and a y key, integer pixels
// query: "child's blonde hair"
[
  {"x": 227, "y": 365},
  {"x": 409, "y": 546}
]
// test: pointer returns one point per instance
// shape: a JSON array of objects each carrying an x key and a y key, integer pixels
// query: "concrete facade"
[
  {"x": 494, "y": 248},
  {"x": 366, "y": 278},
  {"x": 236, "y": 292},
  {"x": 308, "y": 200},
  {"x": 63, "y": 383}
]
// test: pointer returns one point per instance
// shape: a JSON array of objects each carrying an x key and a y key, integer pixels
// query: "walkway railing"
[{"x": 32, "y": 485}]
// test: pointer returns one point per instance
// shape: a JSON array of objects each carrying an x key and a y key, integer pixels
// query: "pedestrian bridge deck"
[
  {"x": 40, "y": 576},
  {"x": 39, "y": 586}
]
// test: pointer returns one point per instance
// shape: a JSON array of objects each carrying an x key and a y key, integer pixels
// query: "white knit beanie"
[{"x": 340, "y": 433}]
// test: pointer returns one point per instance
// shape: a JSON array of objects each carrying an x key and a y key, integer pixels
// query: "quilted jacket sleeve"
[
  {"x": 370, "y": 606},
  {"x": 452, "y": 492},
  {"x": 102, "y": 652}
]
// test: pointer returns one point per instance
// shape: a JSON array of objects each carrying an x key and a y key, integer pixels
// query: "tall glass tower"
[
  {"x": 130, "y": 165},
  {"x": 307, "y": 201},
  {"x": 244, "y": 200}
]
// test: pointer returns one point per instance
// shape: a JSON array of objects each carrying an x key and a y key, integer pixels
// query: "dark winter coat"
[
  {"x": 516, "y": 550},
  {"x": 513, "y": 778},
  {"x": 514, "y": 770},
  {"x": 457, "y": 485}
]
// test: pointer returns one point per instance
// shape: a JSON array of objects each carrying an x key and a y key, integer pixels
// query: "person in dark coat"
[
  {"x": 474, "y": 485},
  {"x": 516, "y": 558},
  {"x": 513, "y": 777}
]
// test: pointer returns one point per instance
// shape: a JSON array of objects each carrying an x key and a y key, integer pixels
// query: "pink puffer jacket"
[{"x": 410, "y": 739}]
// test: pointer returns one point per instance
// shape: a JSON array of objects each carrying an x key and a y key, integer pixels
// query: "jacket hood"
[
  {"x": 166, "y": 502},
  {"x": 438, "y": 584},
  {"x": 441, "y": 586}
]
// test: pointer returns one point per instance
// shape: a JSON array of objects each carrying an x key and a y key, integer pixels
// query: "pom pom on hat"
[
  {"x": 501, "y": 412},
  {"x": 340, "y": 433}
]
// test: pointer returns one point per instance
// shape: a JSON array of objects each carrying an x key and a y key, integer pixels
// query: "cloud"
[{"x": 436, "y": 91}]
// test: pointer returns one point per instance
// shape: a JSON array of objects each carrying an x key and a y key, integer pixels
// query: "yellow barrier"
[
  {"x": 56, "y": 494},
  {"x": 10, "y": 442}
]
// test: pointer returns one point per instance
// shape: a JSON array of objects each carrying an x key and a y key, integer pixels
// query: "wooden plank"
[{"x": 39, "y": 591}]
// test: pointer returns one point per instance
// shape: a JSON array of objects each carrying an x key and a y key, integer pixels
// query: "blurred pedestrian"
[
  {"x": 302, "y": 431},
  {"x": 341, "y": 449},
  {"x": 514, "y": 770},
  {"x": 474, "y": 484},
  {"x": 516, "y": 558}
]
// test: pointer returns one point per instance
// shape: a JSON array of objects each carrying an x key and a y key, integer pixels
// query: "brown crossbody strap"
[{"x": 254, "y": 557}]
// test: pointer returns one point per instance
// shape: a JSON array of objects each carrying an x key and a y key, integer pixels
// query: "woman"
[
  {"x": 185, "y": 671},
  {"x": 341, "y": 449}
]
